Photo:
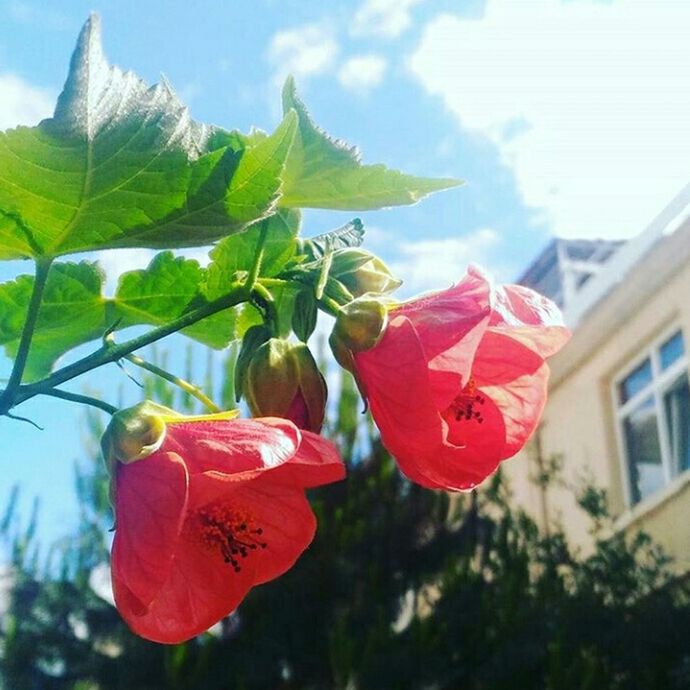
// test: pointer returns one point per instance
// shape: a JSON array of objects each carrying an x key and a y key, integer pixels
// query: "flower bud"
[
  {"x": 362, "y": 272},
  {"x": 359, "y": 325},
  {"x": 283, "y": 380}
]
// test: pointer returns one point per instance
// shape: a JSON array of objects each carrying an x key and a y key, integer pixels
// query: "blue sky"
[{"x": 568, "y": 117}]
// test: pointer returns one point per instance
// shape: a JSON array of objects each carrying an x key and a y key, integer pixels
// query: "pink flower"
[
  {"x": 457, "y": 382},
  {"x": 217, "y": 508}
]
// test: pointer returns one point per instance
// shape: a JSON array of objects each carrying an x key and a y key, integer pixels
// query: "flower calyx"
[
  {"x": 359, "y": 325},
  {"x": 134, "y": 433},
  {"x": 362, "y": 272}
]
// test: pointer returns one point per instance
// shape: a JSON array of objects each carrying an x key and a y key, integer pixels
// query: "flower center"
[
  {"x": 465, "y": 405},
  {"x": 232, "y": 533}
]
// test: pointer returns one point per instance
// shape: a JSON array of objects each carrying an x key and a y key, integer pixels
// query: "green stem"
[
  {"x": 176, "y": 380},
  {"x": 258, "y": 256},
  {"x": 112, "y": 353},
  {"x": 264, "y": 299},
  {"x": 83, "y": 399},
  {"x": 14, "y": 382},
  {"x": 323, "y": 275},
  {"x": 330, "y": 306},
  {"x": 273, "y": 282}
]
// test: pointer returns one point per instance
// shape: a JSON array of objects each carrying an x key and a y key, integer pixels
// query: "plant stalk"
[
  {"x": 7, "y": 397},
  {"x": 176, "y": 380},
  {"x": 258, "y": 256},
  {"x": 83, "y": 399}
]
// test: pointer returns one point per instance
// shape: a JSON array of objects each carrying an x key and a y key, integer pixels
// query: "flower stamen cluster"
[{"x": 222, "y": 529}]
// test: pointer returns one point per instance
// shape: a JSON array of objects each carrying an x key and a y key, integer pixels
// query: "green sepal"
[
  {"x": 304, "y": 315},
  {"x": 362, "y": 272},
  {"x": 360, "y": 324},
  {"x": 134, "y": 433},
  {"x": 253, "y": 339}
]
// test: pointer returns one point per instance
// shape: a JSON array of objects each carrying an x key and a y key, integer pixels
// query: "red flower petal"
[
  {"x": 150, "y": 504},
  {"x": 521, "y": 403},
  {"x": 203, "y": 587},
  {"x": 529, "y": 317},
  {"x": 442, "y": 319},
  {"x": 316, "y": 462},
  {"x": 398, "y": 390},
  {"x": 233, "y": 446},
  {"x": 501, "y": 359}
]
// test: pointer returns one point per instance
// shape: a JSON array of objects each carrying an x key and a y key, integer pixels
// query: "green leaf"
[
  {"x": 324, "y": 173},
  {"x": 236, "y": 253},
  {"x": 349, "y": 235},
  {"x": 72, "y": 312},
  {"x": 256, "y": 184},
  {"x": 165, "y": 290},
  {"x": 123, "y": 165},
  {"x": 284, "y": 300},
  {"x": 247, "y": 316}
]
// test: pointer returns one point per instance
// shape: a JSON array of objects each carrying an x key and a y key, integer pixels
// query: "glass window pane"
[
  {"x": 672, "y": 350},
  {"x": 644, "y": 454},
  {"x": 677, "y": 404},
  {"x": 636, "y": 381}
]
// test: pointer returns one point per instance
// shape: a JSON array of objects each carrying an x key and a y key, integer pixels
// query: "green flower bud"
[
  {"x": 135, "y": 433},
  {"x": 283, "y": 380},
  {"x": 359, "y": 325},
  {"x": 362, "y": 272}
]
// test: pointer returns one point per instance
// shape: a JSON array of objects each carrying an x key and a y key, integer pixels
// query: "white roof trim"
[{"x": 621, "y": 263}]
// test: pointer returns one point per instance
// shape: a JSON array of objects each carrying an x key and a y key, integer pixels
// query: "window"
[{"x": 653, "y": 410}]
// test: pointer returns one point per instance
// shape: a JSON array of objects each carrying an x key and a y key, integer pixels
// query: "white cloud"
[
  {"x": 436, "y": 264},
  {"x": 384, "y": 18},
  {"x": 304, "y": 51},
  {"x": 362, "y": 72},
  {"x": 587, "y": 102},
  {"x": 21, "y": 103}
]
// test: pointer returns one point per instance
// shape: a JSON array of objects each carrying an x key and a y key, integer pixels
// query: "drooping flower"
[
  {"x": 457, "y": 380},
  {"x": 206, "y": 508}
]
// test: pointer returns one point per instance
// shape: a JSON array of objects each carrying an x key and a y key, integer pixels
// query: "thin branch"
[
  {"x": 83, "y": 399},
  {"x": 23, "y": 419},
  {"x": 14, "y": 382},
  {"x": 176, "y": 380},
  {"x": 131, "y": 377}
]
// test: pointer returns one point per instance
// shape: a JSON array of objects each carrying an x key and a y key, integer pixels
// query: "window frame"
[{"x": 662, "y": 381}]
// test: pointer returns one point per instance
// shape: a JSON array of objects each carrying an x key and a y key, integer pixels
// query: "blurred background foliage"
[{"x": 402, "y": 588}]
